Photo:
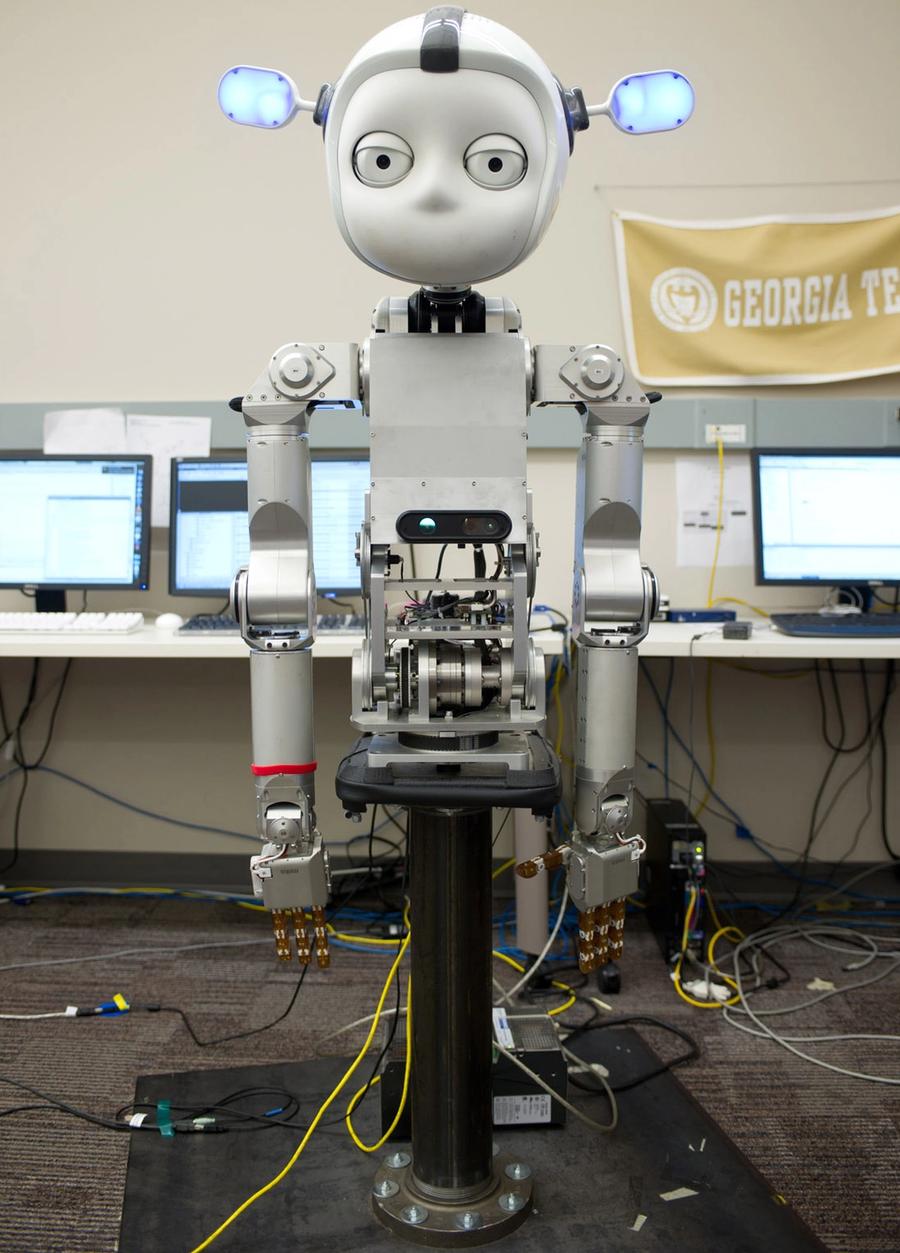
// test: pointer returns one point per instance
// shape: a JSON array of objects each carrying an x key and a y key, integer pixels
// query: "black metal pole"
[{"x": 450, "y": 893}]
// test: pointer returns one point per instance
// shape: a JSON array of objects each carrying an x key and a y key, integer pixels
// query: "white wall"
[
  {"x": 150, "y": 250},
  {"x": 153, "y": 250}
]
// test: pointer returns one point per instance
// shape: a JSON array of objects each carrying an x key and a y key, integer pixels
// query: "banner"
[{"x": 806, "y": 299}]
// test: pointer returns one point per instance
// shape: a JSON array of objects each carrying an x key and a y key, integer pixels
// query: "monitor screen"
[
  {"x": 209, "y": 539},
  {"x": 74, "y": 521},
  {"x": 829, "y": 516}
]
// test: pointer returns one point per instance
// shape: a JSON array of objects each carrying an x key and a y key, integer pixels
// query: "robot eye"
[
  {"x": 381, "y": 159},
  {"x": 496, "y": 161}
]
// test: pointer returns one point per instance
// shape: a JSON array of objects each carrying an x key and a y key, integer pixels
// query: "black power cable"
[
  {"x": 219, "y": 1116},
  {"x": 693, "y": 1051},
  {"x": 237, "y": 1035},
  {"x": 872, "y": 735},
  {"x": 19, "y": 749},
  {"x": 882, "y": 744}
]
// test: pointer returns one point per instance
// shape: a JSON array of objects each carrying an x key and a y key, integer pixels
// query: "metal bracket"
[
  {"x": 596, "y": 875},
  {"x": 299, "y": 375},
  {"x": 296, "y": 880},
  {"x": 594, "y": 372}
]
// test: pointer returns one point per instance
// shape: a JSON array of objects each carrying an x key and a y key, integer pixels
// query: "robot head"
[{"x": 447, "y": 141}]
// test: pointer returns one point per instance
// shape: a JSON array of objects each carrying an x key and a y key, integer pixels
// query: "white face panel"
[{"x": 446, "y": 212}]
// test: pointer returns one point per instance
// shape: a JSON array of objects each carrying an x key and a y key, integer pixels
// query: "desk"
[
  {"x": 673, "y": 639},
  {"x": 172, "y": 646},
  {"x": 666, "y": 639}
]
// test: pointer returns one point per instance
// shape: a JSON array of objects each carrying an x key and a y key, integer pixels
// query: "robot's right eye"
[{"x": 381, "y": 159}]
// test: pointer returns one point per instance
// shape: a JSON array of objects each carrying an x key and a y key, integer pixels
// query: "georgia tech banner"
[{"x": 808, "y": 299}]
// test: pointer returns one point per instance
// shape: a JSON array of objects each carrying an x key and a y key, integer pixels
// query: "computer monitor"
[
  {"x": 826, "y": 516},
  {"x": 208, "y": 535},
  {"x": 73, "y": 522}
]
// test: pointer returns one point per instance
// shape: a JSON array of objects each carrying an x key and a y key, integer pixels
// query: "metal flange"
[{"x": 455, "y": 1222}]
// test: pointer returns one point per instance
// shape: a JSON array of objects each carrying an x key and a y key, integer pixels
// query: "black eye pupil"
[
  {"x": 383, "y": 161},
  {"x": 495, "y": 165}
]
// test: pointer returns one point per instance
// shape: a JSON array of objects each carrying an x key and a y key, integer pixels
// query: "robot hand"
[
  {"x": 289, "y": 878},
  {"x": 601, "y": 870}
]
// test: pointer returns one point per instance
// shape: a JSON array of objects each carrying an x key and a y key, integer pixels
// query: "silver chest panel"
[{"x": 447, "y": 420}]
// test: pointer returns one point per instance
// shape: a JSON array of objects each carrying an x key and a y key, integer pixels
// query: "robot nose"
[{"x": 436, "y": 199}]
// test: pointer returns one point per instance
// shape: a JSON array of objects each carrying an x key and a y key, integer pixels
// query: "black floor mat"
[{"x": 592, "y": 1191}]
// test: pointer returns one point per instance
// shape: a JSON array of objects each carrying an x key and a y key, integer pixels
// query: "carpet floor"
[{"x": 829, "y": 1144}]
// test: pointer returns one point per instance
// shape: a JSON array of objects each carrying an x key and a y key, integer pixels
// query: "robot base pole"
[{"x": 453, "y": 1190}]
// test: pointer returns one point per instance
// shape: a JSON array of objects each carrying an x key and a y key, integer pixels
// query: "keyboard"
[
  {"x": 340, "y": 623},
  {"x": 72, "y": 623},
  {"x": 210, "y": 624},
  {"x": 224, "y": 624},
  {"x": 839, "y": 626}
]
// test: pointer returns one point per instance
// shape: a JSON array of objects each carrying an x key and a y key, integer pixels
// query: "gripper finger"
[
  {"x": 323, "y": 956},
  {"x": 301, "y": 936}
]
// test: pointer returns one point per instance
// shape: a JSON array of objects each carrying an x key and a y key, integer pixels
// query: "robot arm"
[
  {"x": 614, "y": 599},
  {"x": 274, "y": 600}
]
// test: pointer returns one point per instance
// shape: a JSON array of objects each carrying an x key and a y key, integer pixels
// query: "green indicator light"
[
  {"x": 699, "y": 848},
  {"x": 427, "y": 524}
]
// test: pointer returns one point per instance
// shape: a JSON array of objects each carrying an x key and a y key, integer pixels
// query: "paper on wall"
[
  {"x": 697, "y": 494},
  {"x": 84, "y": 430},
  {"x": 165, "y": 437}
]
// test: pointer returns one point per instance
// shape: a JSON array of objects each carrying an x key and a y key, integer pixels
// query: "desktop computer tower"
[{"x": 674, "y": 864}]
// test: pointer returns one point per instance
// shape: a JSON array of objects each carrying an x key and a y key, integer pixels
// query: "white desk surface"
[
  {"x": 148, "y": 641},
  {"x": 666, "y": 639},
  {"x": 673, "y": 639}
]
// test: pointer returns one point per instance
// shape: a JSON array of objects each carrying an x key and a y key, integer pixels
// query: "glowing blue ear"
[
  {"x": 254, "y": 96},
  {"x": 642, "y": 103}
]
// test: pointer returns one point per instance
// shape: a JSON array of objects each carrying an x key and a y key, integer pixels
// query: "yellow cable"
[
  {"x": 506, "y": 865},
  {"x": 353, "y": 938},
  {"x": 720, "y": 447},
  {"x": 736, "y": 600},
  {"x": 711, "y": 906},
  {"x": 676, "y": 974},
  {"x": 321, "y": 1112},
  {"x": 557, "y": 983},
  {"x": 738, "y": 935},
  {"x": 357, "y": 1097},
  {"x": 561, "y": 1009}
]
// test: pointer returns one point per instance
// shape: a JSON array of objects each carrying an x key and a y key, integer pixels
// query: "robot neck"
[{"x": 446, "y": 311}]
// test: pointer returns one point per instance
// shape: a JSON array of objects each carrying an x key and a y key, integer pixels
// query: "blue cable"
[
  {"x": 149, "y": 813},
  {"x": 137, "y": 809},
  {"x": 742, "y": 831},
  {"x": 690, "y": 756}
]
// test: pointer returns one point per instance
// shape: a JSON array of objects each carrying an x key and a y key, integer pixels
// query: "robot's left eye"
[
  {"x": 381, "y": 159},
  {"x": 495, "y": 161}
]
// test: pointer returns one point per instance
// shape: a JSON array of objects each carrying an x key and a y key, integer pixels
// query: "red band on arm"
[{"x": 293, "y": 768}]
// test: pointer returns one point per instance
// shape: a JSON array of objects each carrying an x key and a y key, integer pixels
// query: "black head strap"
[{"x": 441, "y": 31}]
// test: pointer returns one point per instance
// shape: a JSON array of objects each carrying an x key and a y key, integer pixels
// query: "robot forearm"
[
  {"x": 614, "y": 601},
  {"x": 274, "y": 601},
  {"x": 291, "y": 873}
]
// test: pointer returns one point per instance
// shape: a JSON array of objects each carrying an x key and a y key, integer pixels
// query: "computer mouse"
[{"x": 169, "y": 622}]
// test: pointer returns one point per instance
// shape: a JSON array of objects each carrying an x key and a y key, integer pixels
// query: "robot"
[{"x": 447, "y": 141}]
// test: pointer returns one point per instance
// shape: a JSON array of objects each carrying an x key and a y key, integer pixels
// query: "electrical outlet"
[{"x": 727, "y": 432}]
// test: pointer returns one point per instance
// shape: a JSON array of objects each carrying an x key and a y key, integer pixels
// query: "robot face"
[
  {"x": 439, "y": 177},
  {"x": 447, "y": 140}
]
